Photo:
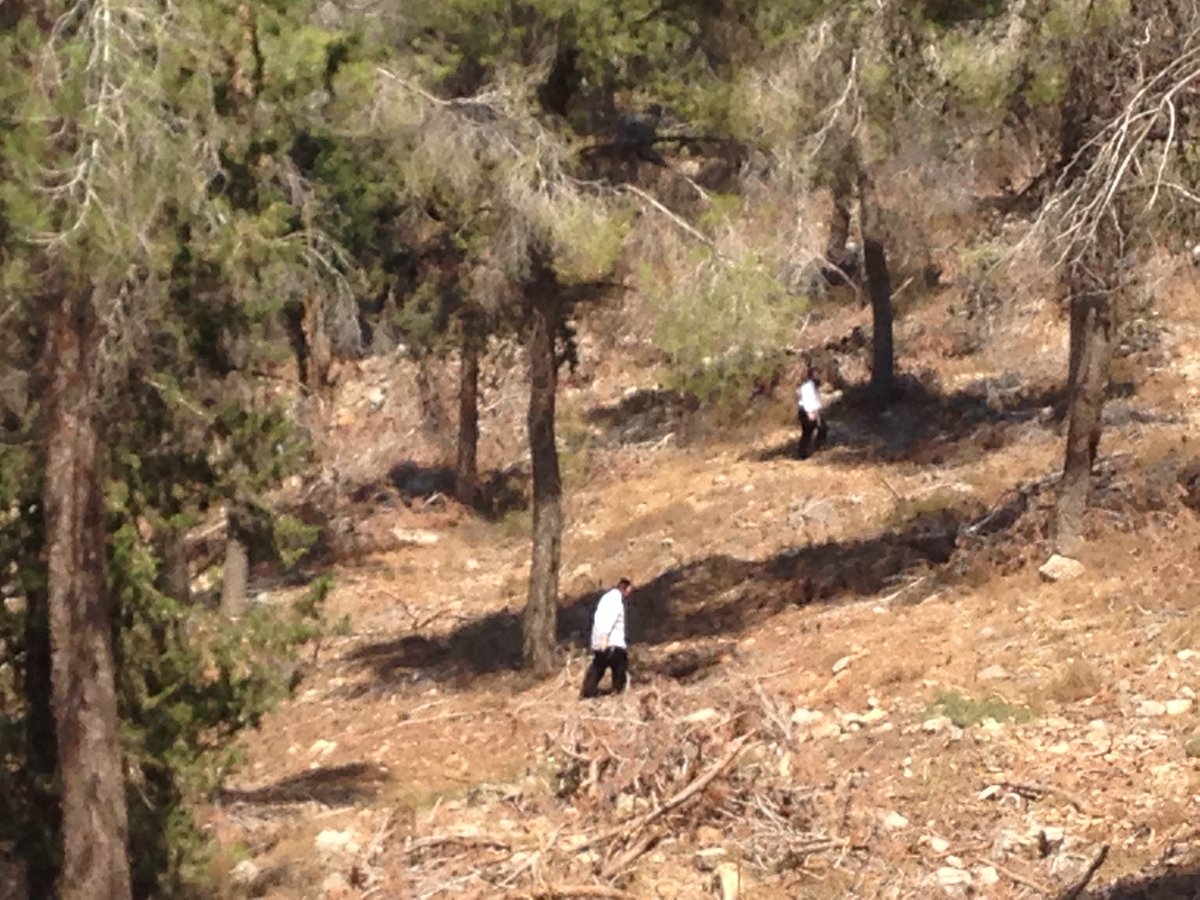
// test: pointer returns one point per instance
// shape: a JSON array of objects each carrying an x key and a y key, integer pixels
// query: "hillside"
[
  {"x": 348, "y": 351},
  {"x": 848, "y": 677}
]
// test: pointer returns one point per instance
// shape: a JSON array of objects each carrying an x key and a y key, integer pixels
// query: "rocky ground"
[{"x": 850, "y": 675}]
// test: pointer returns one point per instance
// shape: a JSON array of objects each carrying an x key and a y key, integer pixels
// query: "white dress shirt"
[
  {"x": 810, "y": 400},
  {"x": 609, "y": 620}
]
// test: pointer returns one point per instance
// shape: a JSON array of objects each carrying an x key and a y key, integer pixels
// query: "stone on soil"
[
  {"x": 1060, "y": 568},
  {"x": 729, "y": 878},
  {"x": 331, "y": 841}
]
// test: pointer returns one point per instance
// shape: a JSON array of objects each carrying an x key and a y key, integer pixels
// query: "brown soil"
[{"x": 907, "y": 708}]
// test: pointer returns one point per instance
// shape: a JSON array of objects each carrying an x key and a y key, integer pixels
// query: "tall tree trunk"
[
  {"x": 466, "y": 470},
  {"x": 1093, "y": 329},
  {"x": 318, "y": 356},
  {"x": 94, "y": 817},
  {"x": 879, "y": 287},
  {"x": 236, "y": 575},
  {"x": 541, "y": 610},
  {"x": 879, "y": 280},
  {"x": 40, "y": 855},
  {"x": 1075, "y": 345}
]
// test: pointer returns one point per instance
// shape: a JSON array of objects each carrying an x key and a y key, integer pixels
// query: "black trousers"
[
  {"x": 615, "y": 658},
  {"x": 813, "y": 432}
]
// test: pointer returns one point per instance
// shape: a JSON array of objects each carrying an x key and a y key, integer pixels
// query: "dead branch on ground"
[{"x": 1082, "y": 882}]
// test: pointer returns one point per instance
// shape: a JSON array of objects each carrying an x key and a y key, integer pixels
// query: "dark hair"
[
  {"x": 813, "y": 374},
  {"x": 624, "y": 584}
]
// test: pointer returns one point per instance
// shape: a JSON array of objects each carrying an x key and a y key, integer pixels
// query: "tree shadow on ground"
[
  {"x": 332, "y": 786},
  {"x": 927, "y": 426},
  {"x": 499, "y": 492},
  {"x": 1167, "y": 886},
  {"x": 691, "y": 663},
  {"x": 643, "y": 416},
  {"x": 422, "y": 487},
  {"x": 720, "y": 596}
]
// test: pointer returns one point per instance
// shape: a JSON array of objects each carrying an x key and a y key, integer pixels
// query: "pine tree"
[{"x": 149, "y": 219}]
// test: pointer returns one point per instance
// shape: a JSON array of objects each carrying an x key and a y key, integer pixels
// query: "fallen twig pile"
[{"x": 652, "y": 776}]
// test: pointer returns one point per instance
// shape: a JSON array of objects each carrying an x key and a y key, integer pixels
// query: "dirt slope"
[{"x": 851, "y": 663}]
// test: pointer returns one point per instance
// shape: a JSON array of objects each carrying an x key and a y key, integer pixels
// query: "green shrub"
[
  {"x": 723, "y": 325},
  {"x": 189, "y": 681},
  {"x": 964, "y": 711}
]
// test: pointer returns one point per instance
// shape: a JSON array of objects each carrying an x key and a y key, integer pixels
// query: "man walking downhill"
[
  {"x": 813, "y": 429},
  {"x": 608, "y": 641}
]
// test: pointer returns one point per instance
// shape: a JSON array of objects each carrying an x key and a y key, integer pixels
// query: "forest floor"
[{"x": 848, "y": 676}]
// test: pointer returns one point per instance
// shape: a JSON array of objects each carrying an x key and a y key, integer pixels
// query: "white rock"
[
  {"x": 806, "y": 717},
  {"x": 989, "y": 792},
  {"x": 956, "y": 862},
  {"x": 842, "y": 664},
  {"x": 583, "y": 571},
  {"x": 938, "y": 844},
  {"x": 894, "y": 821},
  {"x": 935, "y": 725},
  {"x": 826, "y": 730},
  {"x": 729, "y": 879},
  {"x": 322, "y": 748},
  {"x": 992, "y": 673},
  {"x": 1179, "y": 706},
  {"x": 415, "y": 536},
  {"x": 244, "y": 873},
  {"x": 376, "y": 398},
  {"x": 785, "y": 765},
  {"x": 1185, "y": 655},
  {"x": 948, "y": 876},
  {"x": 331, "y": 842},
  {"x": 1060, "y": 568},
  {"x": 702, "y": 715},
  {"x": 1149, "y": 708},
  {"x": 876, "y": 714},
  {"x": 987, "y": 876},
  {"x": 337, "y": 887}
]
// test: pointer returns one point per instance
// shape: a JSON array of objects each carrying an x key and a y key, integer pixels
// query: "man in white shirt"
[
  {"x": 608, "y": 641},
  {"x": 813, "y": 429}
]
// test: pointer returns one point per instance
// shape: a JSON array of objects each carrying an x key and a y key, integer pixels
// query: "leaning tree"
[{"x": 1123, "y": 187}]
